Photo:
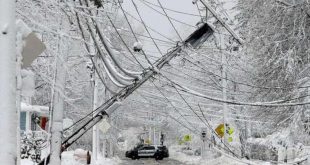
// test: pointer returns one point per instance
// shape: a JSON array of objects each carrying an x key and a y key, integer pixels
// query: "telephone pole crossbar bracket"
[{"x": 226, "y": 26}]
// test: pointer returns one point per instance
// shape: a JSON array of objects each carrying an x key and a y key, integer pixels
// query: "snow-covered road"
[{"x": 150, "y": 161}]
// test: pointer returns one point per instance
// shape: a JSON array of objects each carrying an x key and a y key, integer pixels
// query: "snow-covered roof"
[{"x": 42, "y": 110}]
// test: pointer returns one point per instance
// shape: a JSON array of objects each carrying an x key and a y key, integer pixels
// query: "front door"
[{"x": 146, "y": 151}]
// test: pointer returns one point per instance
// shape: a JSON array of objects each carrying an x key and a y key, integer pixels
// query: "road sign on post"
[
  {"x": 204, "y": 134},
  {"x": 162, "y": 138},
  {"x": 204, "y": 137},
  {"x": 187, "y": 138}
]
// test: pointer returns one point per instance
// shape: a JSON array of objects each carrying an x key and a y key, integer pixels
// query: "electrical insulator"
[{"x": 137, "y": 46}]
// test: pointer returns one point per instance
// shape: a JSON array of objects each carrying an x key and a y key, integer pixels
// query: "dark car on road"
[
  {"x": 164, "y": 150},
  {"x": 148, "y": 151}
]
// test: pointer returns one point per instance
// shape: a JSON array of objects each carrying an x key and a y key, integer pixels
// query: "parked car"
[{"x": 148, "y": 151}]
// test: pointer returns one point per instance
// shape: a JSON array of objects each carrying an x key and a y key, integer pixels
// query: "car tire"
[
  {"x": 158, "y": 157},
  {"x": 133, "y": 157}
]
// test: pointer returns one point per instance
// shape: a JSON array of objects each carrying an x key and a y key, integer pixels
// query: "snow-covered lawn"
[{"x": 69, "y": 159}]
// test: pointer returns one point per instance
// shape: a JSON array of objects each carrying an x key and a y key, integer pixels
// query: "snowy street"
[{"x": 150, "y": 161}]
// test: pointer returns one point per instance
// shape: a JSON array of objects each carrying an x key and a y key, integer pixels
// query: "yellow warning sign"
[
  {"x": 187, "y": 138},
  {"x": 220, "y": 130}
]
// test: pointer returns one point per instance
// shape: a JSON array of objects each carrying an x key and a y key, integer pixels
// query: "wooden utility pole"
[
  {"x": 224, "y": 84},
  {"x": 58, "y": 104},
  {"x": 8, "y": 112},
  {"x": 95, "y": 142}
]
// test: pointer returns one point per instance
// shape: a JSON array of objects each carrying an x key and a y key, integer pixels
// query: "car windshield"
[
  {"x": 162, "y": 147},
  {"x": 137, "y": 147}
]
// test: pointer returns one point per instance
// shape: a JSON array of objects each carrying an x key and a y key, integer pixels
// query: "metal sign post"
[{"x": 204, "y": 139}]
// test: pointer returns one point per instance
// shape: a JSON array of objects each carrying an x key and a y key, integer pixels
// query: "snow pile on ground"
[
  {"x": 26, "y": 162},
  {"x": 108, "y": 161},
  {"x": 219, "y": 161},
  {"x": 68, "y": 158},
  {"x": 210, "y": 158},
  {"x": 175, "y": 152}
]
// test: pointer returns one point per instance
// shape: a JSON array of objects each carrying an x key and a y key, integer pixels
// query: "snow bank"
[
  {"x": 175, "y": 152},
  {"x": 42, "y": 110},
  {"x": 68, "y": 158},
  {"x": 26, "y": 162},
  {"x": 212, "y": 157},
  {"x": 108, "y": 161}
]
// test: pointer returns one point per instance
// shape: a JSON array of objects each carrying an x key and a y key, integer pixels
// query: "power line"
[
  {"x": 137, "y": 10},
  {"x": 180, "y": 12},
  {"x": 199, "y": 11},
  {"x": 176, "y": 20},
  {"x": 168, "y": 43},
  {"x": 155, "y": 31},
  {"x": 170, "y": 20},
  {"x": 172, "y": 105},
  {"x": 203, "y": 67},
  {"x": 206, "y": 123},
  {"x": 124, "y": 43},
  {"x": 212, "y": 130},
  {"x": 88, "y": 50},
  {"x": 256, "y": 104},
  {"x": 170, "y": 115},
  {"x": 147, "y": 59},
  {"x": 236, "y": 118}
]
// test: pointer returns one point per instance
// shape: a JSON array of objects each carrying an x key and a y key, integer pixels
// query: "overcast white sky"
[{"x": 161, "y": 23}]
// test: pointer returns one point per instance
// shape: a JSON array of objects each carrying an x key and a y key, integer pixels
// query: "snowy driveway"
[{"x": 150, "y": 161}]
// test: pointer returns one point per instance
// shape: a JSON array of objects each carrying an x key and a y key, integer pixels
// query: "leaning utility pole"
[
  {"x": 105, "y": 110},
  {"x": 8, "y": 113},
  {"x": 194, "y": 40}
]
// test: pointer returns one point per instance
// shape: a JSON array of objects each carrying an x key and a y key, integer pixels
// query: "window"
[
  {"x": 22, "y": 123},
  {"x": 149, "y": 148}
]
